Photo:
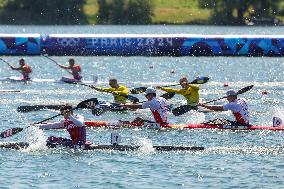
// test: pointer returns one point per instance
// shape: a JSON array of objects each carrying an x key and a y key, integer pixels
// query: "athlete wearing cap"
[
  {"x": 75, "y": 126},
  {"x": 157, "y": 105},
  {"x": 238, "y": 107}
]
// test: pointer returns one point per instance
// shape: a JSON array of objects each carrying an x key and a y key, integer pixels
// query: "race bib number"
[
  {"x": 115, "y": 138},
  {"x": 235, "y": 126},
  {"x": 277, "y": 122},
  {"x": 152, "y": 125}
]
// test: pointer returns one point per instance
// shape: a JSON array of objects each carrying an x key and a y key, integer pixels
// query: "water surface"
[{"x": 231, "y": 159}]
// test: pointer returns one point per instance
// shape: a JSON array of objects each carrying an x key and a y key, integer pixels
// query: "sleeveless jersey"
[
  {"x": 75, "y": 72},
  {"x": 77, "y": 134},
  {"x": 159, "y": 108},
  {"x": 239, "y": 109}
]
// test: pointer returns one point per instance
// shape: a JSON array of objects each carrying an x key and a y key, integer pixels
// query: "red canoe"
[{"x": 126, "y": 124}]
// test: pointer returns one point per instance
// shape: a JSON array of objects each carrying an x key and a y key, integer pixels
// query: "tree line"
[
  {"x": 238, "y": 12},
  {"x": 69, "y": 12}
]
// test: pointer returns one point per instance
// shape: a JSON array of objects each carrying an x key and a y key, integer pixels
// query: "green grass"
[
  {"x": 165, "y": 11},
  {"x": 180, "y": 16},
  {"x": 91, "y": 9},
  {"x": 175, "y": 3}
]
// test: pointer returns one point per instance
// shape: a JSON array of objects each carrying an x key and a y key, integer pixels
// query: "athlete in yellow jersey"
[
  {"x": 119, "y": 92},
  {"x": 189, "y": 91}
]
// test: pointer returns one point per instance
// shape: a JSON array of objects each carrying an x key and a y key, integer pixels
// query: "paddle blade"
[
  {"x": 88, "y": 104},
  {"x": 138, "y": 90},
  {"x": 200, "y": 80},
  {"x": 10, "y": 132},
  {"x": 168, "y": 95},
  {"x": 183, "y": 109},
  {"x": 133, "y": 99},
  {"x": 37, "y": 107},
  {"x": 98, "y": 111},
  {"x": 95, "y": 79},
  {"x": 245, "y": 89},
  {"x": 102, "y": 108}
]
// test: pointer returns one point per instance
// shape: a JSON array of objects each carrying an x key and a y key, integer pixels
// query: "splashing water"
[
  {"x": 195, "y": 117},
  {"x": 145, "y": 144},
  {"x": 259, "y": 150},
  {"x": 36, "y": 139},
  {"x": 279, "y": 113}
]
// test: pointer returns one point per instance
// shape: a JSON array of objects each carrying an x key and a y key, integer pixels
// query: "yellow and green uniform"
[
  {"x": 120, "y": 95},
  {"x": 191, "y": 93}
]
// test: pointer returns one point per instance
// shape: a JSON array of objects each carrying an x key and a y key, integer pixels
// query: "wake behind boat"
[
  {"x": 39, "y": 80},
  {"x": 116, "y": 147}
]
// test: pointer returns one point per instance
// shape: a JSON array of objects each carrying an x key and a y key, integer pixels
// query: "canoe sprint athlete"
[
  {"x": 157, "y": 105},
  {"x": 238, "y": 107},
  {"x": 189, "y": 91},
  {"x": 119, "y": 92},
  {"x": 24, "y": 69},
  {"x": 74, "y": 124},
  {"x": 74, "y": 68}
]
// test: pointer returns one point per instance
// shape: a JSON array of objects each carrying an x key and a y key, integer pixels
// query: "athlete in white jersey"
[
  {"x": 157, "y": 105},
  {"x": 74, "y": 124},
  {"x": 238, "y": 107}
]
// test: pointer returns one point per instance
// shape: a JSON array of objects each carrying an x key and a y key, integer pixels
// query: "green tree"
[
  {"x": 238, "y": 11},
  {"x": 125, "y": 11},
  {"x": 104, "y": 11},
  {"x": 43, "y": 12}
]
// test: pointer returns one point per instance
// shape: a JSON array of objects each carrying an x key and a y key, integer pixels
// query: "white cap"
[
  {"x": 231, "y": 93},
  {"x": 150, "y": 90}
]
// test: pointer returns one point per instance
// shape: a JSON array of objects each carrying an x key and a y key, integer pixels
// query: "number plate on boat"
[
  {"x": 235, "y": 126},
  {"x": 152, "y": 125}
]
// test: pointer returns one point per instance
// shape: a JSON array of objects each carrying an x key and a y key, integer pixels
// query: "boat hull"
[
  {"x": 37, "y": 80},
  {"x": 117, "y": 147},
  {"x": 180, "y": 126}
]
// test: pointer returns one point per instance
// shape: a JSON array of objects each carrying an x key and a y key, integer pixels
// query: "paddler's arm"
[
  {"x": 47, "y": 126},
  {"x": 64, "y": 67},
  {"x": 79, "y": 120},
  {"x": 122, "y": 90},
  {"x": 104, "y": 89},
  {"x": 214, "y": 108},
  {"x": 193, "y": 87},
  {"x": 169, "y": 90},
  {"x": 14, "y": 68},
  {"x": 132, "y": 106}
]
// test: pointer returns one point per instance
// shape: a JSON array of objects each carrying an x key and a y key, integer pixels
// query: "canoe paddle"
[
  {"x": 13, "y": 131},
  {"x": 97, "y": 111},
  {"x": 185, "y": 108},
  {"x": 5, "y": 62},
  {"x": 88, "y": 104},
  {"x": 198, "y": 80},
  {"x": 129, "y": 97},
  {"x": 56, "y": 63},
  {"x": 51, "y": 59},
  {"x": 9, "y": 64},
  {"x": 10, "y": 91}
]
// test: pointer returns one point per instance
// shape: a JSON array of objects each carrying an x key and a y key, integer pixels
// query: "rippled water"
[{"x": 231, "y": 159}]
